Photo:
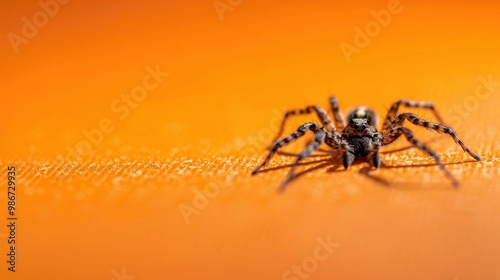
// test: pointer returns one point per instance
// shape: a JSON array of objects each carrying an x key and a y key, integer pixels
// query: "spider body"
[{"x": 359, "y": 137}]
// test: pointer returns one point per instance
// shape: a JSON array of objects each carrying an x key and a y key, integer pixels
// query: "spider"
[{"x": 360, "y": 137}]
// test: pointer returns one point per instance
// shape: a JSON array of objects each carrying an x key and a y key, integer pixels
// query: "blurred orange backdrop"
[{"x": 233, "y": 68}]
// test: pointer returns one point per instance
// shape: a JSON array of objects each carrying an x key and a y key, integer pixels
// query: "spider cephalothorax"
[{"x": 360, "y": 138}]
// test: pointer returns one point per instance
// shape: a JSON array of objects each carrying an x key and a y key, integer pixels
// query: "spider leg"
[
  {"x": 416, "y": 120},
  {"x": 347, "y": 154},
  {"x": 395, "y": 133},
  {"x": 411, "y": 104},
  {"x": 322, "y": 115},
  {"x": 337, "y": 115},
  {"x": 375, "y": 157},
  {"x": 318, "y": 139},
  {"x": 301, "y": 131}
]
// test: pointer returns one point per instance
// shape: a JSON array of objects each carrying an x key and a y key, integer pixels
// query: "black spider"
[{"x": 360, "y": 138}]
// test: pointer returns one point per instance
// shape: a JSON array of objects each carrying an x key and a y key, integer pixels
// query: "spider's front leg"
[
  {"x": 416, "y": 120},
  {"x": 394, "y": 133},
  {"x": 319, "y": 137},
  {"x": 410, "y": 104},
  {"x": 322, "y": 115},
  {"x": 301, "y": 131}
]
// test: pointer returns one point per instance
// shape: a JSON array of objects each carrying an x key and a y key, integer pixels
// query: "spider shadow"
[
  {"x": 332, "y": 160},
  {"x": 369, "y": 172}
]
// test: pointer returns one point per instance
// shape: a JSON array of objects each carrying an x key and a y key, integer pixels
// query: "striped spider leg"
[
  {"x": 394, "y": 133},
  {"x": 321, "y": 135},
  {"x": 322, "y": 116},
  {"x": 409, "y": 104},
  {"x": 320, "y": 112},
  {"x": 337, "y": 115},
  {"x": 396, "y": 129},
  {"x": 416, "y": 120}
]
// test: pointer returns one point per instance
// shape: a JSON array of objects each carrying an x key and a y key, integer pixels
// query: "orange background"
[{"x": 208, "y": 123}]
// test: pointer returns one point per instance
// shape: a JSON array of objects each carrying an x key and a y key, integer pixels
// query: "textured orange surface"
[{"x": 159, "y": 187}]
